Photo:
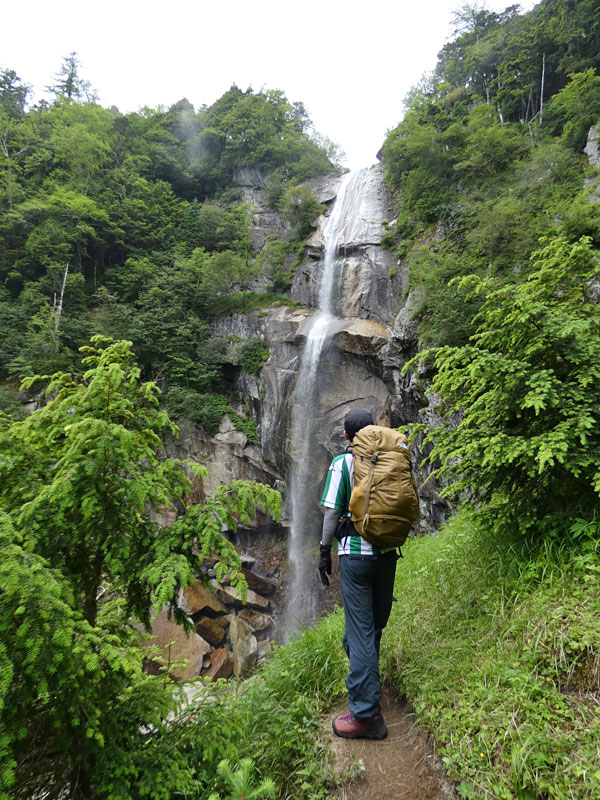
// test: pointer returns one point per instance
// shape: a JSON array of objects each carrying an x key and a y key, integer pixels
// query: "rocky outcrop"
[
  {"x": 368, "y": 289},
  {"x": 219, "y": 665},
  {"x": 245, "y": 647},
  {"x": 592, "y": 151},
  {"x": 225, "y": 640},
  {"x": 174, "y": 645},
  {"x": 360, "y": 364},
  {"x": 592, "y": 147}
]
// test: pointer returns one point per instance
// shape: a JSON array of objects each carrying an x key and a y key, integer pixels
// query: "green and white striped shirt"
[{"x": 338, "y": 488}]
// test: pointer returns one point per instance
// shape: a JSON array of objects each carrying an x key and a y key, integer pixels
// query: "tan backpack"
[{"x": 384, "y": 501}]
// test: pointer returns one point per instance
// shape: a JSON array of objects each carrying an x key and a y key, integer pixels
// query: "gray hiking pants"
[{"x": 367, "y": 594}]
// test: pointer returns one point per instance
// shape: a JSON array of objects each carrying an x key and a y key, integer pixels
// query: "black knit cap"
[{"x": 356, "y": 419}]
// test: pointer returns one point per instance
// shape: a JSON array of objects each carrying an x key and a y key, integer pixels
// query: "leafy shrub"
[
  {"x": 576, "y": 107},
  {"x": 207, "y": 410},
  {"x": 299, "y": 208},
  {"x": 527, "y": 392}
]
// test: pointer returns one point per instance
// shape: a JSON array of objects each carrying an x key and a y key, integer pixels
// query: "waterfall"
[{"x": 344, "y": 226}]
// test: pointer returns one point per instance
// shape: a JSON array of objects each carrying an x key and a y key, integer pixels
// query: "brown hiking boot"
[{"x": 350, "y": 727}]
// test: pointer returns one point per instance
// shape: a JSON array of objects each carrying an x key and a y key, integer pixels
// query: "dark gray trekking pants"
[{"x": 367, "y": 593}]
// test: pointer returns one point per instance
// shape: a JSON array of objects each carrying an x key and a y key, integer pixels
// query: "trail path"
[{"x": 401, "y": 767}]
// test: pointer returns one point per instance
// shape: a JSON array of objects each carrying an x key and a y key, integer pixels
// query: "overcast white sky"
[{"x": 350, "y": 63}]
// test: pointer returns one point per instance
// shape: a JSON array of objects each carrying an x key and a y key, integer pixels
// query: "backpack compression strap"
[{"x": 368, "y": 491}]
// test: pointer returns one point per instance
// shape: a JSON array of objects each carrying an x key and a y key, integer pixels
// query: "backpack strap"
[
  {"x": 368, "y": 491},
  {"x": 413, "y": 480}
]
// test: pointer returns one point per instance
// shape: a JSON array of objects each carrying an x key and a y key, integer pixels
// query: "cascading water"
[{"x": 343, "y": 226}]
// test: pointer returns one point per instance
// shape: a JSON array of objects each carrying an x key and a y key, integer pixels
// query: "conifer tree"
[{"x": 83, "y": 564}]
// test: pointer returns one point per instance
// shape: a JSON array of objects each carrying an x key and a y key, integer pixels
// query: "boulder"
[
  {"x": 228, "y": 434},
  {"x": 256, "y": 620},
  {"x": 165, "y": 516},
  {"x": 213, "y": 630},
  {"x": 198, "y": 598},
  {"x": 259, "y": 583},
  {"x": 361, "y": 336},
  {"x": 221, "y": 665},
  {"x": 193, "y": 648},
  {"x": 325, "y": 187},
  {"x": 264, "y": 648},
  {"x": 248, "y": 561},
  {"x": 592, "y": 147},
  {"x": 233, "y": 597},
  {"x": 245, "y": 647}
]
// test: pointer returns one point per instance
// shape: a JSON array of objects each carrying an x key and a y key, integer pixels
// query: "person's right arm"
[{"x": 330, "y": 521}]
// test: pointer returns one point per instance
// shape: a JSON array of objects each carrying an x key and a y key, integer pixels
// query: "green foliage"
[
  {"x": 10, "y": 402},
  {"x": 483, "y": 163},
  {"x": 299, "y": 209},
  {"x": 263, "y": 130},
  {"x": 241, "y": 784},
  {"x": 83, "y": 566},
  {"x": 488, "y": 146},
  {"x": 69, "y": 83},
  {"x": 447, "y": 314},
  {"x": 143, "y": 210},
  {"x": 494, "y": 640},
  {"x": 208, "y": 410},
  {"x": 13, "y": 94},
  {"x": 576, "y": 108},
  {"x": 227, "y": 273},
  {"x": 248, "y": 301},
  {"x": 272, "y": 260},
  {"x": 417, "y": 159},
  {"x": 250, "y": 354},
  {"x": 213, "y": 228},
  {"x": 73, "y": 696},
  {"x": 526, "y": 392}
]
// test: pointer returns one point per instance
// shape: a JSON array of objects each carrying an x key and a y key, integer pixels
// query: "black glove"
[{"x": 325, "y": 563}]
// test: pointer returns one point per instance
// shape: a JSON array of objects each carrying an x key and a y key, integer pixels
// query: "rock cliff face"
[
  {"x": 369, "y": 338},
  {"x": 361, "y": 361}
]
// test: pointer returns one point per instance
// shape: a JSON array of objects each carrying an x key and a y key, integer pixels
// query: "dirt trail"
[{"x": 401, "y": 767}]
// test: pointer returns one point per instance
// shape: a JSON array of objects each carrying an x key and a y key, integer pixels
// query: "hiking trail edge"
[{"x": 402, "y": 766}]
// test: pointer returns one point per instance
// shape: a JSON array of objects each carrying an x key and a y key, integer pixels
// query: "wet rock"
[
  {"x": 213, "y": 630},
  {"x": 361, "y": 336},
  {"x": 259, "y": 583},
  {"x": 198, "y": 598},
  {"x": 248, "y": 561},
  {"x": 248, "y": 176},
  {"x": 232, "y": 597},
  {"x": 191, "y": 647},
  {"x": 254, "y": 619},
  {"x": 244, "y": 645},
  {"x": 369, "y": 285},
  {"x": 220, "y": 666},
  {"x": 325, "y": 187},
  {"x": 265, "y": 647}
]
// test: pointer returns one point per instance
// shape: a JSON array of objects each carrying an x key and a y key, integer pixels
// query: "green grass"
[{"x": 497, "y": 645}]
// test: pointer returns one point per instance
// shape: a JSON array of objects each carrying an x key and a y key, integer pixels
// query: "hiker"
[{"x": 367, "y": 582}]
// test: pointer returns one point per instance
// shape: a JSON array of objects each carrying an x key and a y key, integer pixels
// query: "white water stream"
[{"x": 343, "y": 226}]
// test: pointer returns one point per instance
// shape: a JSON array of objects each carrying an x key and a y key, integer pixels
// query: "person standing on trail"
[{"x": 367, "y": 581}]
